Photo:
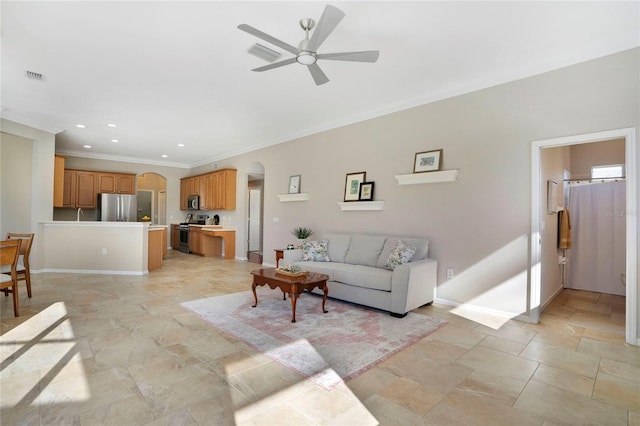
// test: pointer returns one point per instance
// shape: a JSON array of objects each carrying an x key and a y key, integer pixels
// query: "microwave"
[{"x": 193, "y": 202}]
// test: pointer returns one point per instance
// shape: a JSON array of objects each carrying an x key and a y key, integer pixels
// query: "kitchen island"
[{"x": 120, "y": 248}]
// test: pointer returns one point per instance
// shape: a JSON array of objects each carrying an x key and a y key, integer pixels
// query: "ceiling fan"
[{"x": 306, "y": 52}]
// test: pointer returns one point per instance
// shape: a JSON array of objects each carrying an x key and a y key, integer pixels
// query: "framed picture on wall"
[
  {"x": 366, "y": 191},
  {"x": 294, "y": 184},
  {"x": 352, "y": 185},
  {"x": 428, "y": 161}
]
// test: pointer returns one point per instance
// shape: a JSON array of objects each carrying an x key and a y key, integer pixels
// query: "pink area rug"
[{"x": 327, "y": 348}]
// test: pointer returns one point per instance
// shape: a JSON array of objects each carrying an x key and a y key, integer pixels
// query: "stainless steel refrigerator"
[{"x": 117, "y": 207}]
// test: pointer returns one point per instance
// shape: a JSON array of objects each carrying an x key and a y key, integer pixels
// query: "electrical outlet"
[
  {"x": 104, "y": 251},
  {"x": 449, "y": 272}
]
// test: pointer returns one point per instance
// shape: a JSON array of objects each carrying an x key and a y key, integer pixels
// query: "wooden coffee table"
[{"x": 294, "y": 286}]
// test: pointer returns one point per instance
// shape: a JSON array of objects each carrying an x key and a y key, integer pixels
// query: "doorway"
[
  {"x": 537, "y": 196},
  {"x": 157, "y": 186},
  {"x": 254, "y": 219},
  {"x": 145, "y": 205}
]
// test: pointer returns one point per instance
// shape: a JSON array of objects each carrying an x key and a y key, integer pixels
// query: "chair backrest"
[
  {"x": 26, "y": 240},
  {"x": 9, "y": 251}
]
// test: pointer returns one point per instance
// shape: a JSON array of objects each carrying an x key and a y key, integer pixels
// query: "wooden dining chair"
[
  {"x": 22, "y": 269},
  {"x": 9, "y": 252}
]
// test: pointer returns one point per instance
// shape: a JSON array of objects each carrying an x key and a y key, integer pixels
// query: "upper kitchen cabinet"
[
  {"x": 223, "y": 192},
  {"x": 116, "y": 183},
  {"x": 217, "y": 190},
  {"x": 58, "y": 181},
  {"x": 79, "y": 189}
]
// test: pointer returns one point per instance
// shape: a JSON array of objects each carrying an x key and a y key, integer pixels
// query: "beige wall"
[
  {"x": 584, "y": 156},
  {"x": 553, "y": 161},
  {"x": 15, "y": 188},
  {"x": 34, "y": 175}
]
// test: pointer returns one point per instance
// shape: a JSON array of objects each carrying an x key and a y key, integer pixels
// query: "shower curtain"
[{"x": 598, "y": 222}]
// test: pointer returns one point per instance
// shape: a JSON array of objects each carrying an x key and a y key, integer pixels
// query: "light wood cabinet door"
[
  {"x": 69, "y": 189},
  {"x": 126, "y": 184},
  {"x": 185, "y": 187},
  {"x": 224, "y": 184},
  {"x": 58, "y": 181},
  {"x": 175, "y": 237},
  {"x": 195, "y": 240},
  {"x": 86, "y": 189},
  {"x": 116, "y": 183}
]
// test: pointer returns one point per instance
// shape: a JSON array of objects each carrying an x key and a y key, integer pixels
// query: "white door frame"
[{"x": 629, "y": 135}]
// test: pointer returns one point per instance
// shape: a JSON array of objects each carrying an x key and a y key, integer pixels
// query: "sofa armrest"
[
  {"x": 291, "y": 256},
  {"x": 413, "y": 285}
]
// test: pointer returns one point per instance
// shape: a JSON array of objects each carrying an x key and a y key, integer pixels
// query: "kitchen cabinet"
[
  {"x": 69, "y": 189},
  {"x": 195, "y": 240},
  {"x": 175, "y": 237},
  {"x": 58, "y": 181},
  {"x": 116, "y": 183},
  {"x": 157, "y": 248},
  {"x": 79, "y": 189},
  {"x": 217, "y": 190},
  {"x": 86, "y": 190}
]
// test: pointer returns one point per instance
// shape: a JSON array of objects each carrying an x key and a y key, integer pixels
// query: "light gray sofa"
[{"x": 357, "y": 272}]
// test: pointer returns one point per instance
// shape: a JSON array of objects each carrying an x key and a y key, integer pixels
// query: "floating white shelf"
[
  {"x": 429, "y": 177},
  {"x": 303, "y": 196},
  {"x": 362, "y": 205}
]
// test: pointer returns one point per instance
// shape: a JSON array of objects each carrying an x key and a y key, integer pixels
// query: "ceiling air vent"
[{"x": 34, "y": 75}]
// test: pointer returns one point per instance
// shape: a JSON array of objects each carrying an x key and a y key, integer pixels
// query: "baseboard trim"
[{"x": 88, "y": 271}]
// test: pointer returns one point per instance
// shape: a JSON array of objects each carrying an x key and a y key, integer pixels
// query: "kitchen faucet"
[{"x": 79, "y": 213}]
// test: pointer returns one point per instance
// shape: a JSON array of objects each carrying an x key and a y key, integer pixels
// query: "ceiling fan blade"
[
  {"x": 364, "y": 56},
  {"x": 318, "y": 76},
  {"x": 266, "y": 37},
  {"x": 275, "y": 65},
  {"x": 329, "y": 20}
]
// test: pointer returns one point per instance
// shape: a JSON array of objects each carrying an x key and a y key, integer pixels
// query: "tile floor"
[{"x": 119, "y": 350}]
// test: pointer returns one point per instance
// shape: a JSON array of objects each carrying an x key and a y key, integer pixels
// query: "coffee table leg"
[
  {"x": 324, "y": 298},
  {"x": 294, "y": 298},
  {"x": 255, "y": 296}
]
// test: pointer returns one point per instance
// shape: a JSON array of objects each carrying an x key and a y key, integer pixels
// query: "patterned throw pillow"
[
  {"x": 315, "y": 251},
  {"x": 400, "y": 255}
]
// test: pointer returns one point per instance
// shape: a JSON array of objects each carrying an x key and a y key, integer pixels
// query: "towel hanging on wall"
[{"x": 564, "y": 229}]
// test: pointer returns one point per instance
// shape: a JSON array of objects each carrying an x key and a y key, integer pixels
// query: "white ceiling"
[{"x": 177, "y": 72}]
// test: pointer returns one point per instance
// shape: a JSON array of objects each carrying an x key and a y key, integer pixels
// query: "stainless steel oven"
[{"x": 184, "y": 237}]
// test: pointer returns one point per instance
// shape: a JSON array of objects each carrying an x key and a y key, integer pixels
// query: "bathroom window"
[{"x": 608, "y": 171}]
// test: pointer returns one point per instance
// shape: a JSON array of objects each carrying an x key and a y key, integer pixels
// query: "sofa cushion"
[
  {"x": 338, "y": 246},
  {"x": 315, "y": 250},
  {"x": 364, "y": 250},
  {"x": 400, "y": 255},
  {"x": 362, "y": 276},
  {"x": 319, "y": 267},
  {"x": 422, "y": 249}
]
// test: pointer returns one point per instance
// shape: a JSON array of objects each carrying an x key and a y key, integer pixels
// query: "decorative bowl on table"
[{"x": 291, "y": 271}]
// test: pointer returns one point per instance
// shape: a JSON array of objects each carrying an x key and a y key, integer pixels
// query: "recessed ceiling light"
[
  {"x": 180, "y": 144},
  {"x": 111, "y": 125},
  {"x": 115, "y": 140},
  {"x": 164, "y": 156},
  {"x": 80, "y": 126},
  {"x": 87, "y": 146}
]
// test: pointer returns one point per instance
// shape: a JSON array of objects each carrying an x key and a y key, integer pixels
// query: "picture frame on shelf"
[
  {"x": 294, "y": 184},
  {"x": 428, "y": 161},
  {"x": 366, "y": 191},
  {"x": 352, "y": 185}
]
